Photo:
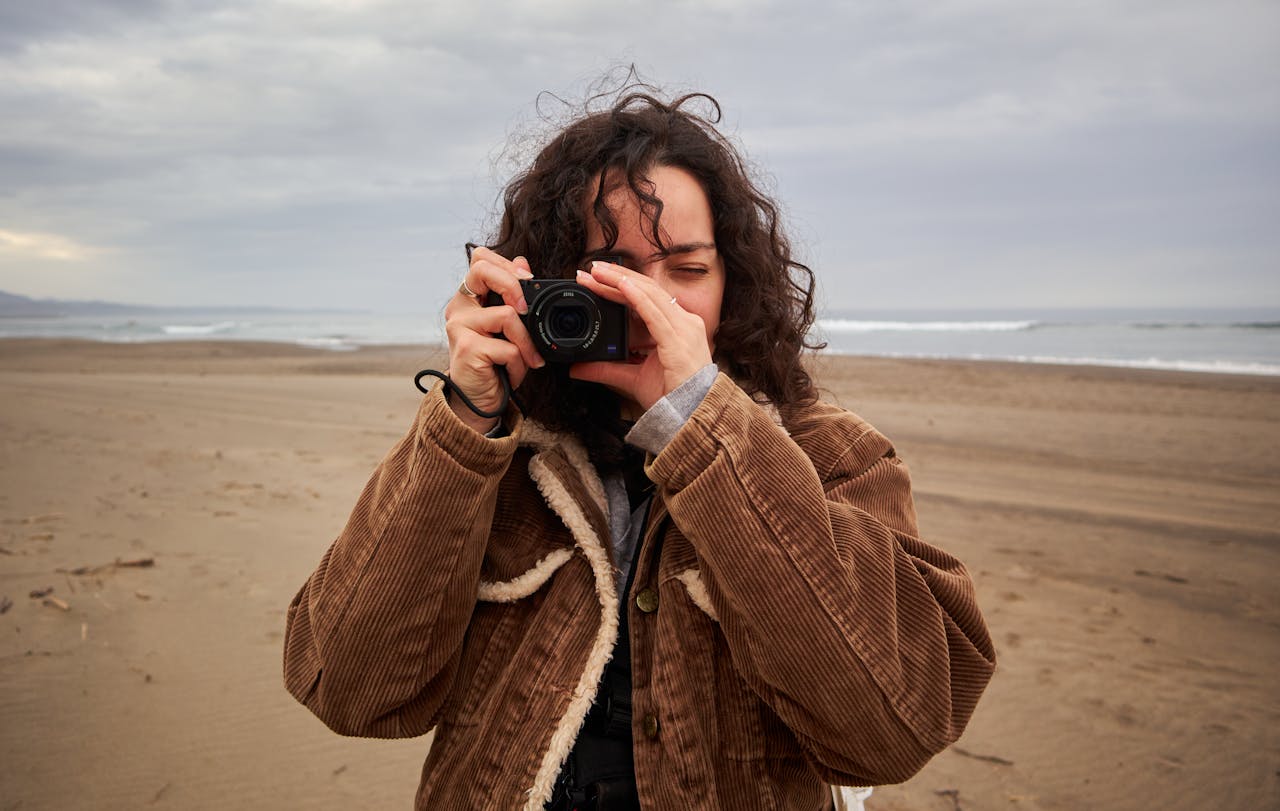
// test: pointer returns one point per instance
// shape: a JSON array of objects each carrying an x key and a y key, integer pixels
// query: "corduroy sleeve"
[
  {"x": 866, "y": 641},
  {"x": 373, "y": 637}
]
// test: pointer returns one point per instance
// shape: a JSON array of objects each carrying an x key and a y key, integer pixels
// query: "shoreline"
[{"x": 326, "y": 359}]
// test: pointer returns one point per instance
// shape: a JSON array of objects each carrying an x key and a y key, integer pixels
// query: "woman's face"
[{"x": 691, "y": 269}]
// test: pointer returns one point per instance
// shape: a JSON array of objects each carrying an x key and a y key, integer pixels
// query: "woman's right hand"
[{"x": 482, "y": 337}]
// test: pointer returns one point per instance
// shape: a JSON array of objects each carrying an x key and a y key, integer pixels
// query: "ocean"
[{"x": 1236, "y": 341}]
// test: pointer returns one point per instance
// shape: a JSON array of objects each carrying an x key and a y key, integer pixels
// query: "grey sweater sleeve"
[{"x": 659, "y": 424}]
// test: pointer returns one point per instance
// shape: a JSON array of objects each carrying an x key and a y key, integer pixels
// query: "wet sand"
[{"x": 1123, "y": 528}]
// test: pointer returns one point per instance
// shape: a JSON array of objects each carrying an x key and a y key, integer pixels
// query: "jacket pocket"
[
  {"x": 501, "y": 615},
  {"x": 491, "y": 637}
]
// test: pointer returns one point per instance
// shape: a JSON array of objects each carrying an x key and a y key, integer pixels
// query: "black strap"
[{"x": 450, "y": 388}]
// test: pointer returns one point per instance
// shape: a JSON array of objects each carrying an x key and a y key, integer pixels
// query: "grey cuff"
[
  {"x": 658, "y": 426},
  {"x": 498, "y": 431}
]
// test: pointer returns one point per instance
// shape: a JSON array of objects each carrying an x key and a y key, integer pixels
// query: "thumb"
[{"x": 620, "y": 376}]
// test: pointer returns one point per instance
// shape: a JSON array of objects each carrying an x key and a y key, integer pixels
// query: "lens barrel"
[{"x": 571, "y": 320}]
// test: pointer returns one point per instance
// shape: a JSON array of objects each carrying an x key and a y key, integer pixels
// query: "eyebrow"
[{"x": 680, "y": 248}]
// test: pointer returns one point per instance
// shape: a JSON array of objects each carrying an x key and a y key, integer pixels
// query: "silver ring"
[{"x": 467, "y": 291}]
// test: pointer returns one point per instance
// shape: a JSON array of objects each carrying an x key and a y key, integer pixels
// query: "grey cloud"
[
  {"x": 22, "y": 23},
  {"x": 208, "y": 141}
]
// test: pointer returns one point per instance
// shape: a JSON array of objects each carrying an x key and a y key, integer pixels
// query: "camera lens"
[{"x": 567, "y": 322}]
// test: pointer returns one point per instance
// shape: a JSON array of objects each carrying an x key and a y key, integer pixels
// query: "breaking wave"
[
  {"x": 851, "y": 325},
  {"x": 220, "y": 328}
]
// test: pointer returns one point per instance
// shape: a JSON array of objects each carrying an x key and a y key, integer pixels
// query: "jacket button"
[
  {"x": 647, "y": 601},
  {"x": 651, "y": 726}
]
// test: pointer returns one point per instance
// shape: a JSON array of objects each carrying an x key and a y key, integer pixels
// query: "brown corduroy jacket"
[{"x": 801, "y": 633}]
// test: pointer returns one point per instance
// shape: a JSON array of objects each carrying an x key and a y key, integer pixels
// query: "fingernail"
[
  {"x": 521, "y": 307},
  {"x": 521, "y": 273},
  {"x": 539, "y": 363},
  {"x": 582, "y": 274}
]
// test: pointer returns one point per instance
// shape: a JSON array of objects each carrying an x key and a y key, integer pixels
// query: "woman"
[{"x": 676, "y": 582}]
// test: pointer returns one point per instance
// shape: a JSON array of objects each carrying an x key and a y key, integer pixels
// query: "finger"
[
  {"x": 518, "y": 267},
  {"x": 655, "y": 312},
  {"x": 620, "y": 376},
  {"x": 601, "y": 289},
  {"x": 486, "y": 276},
  {"x": 615, "y": 276},
  {"x": 499, "y": 320},
  {"x": 490, "y": 352},
  {"x": 612, "y": 274},
  {"x": 491, "y": 272},
  {"x": 477, "y": 353},
  {"x": 636, "y": 382}
]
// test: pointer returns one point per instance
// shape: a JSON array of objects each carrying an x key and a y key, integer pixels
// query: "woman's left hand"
[{"x": 679, "y": 337}]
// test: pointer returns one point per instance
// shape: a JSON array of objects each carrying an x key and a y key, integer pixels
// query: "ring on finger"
[
  {"x": 673, "y": 300},
  {"x": 467, "y": 291}
]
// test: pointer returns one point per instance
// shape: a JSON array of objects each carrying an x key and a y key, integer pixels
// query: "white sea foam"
[
  {"x": 852, "y": 325},
  {"x": 336, "y": 344},
  {"x": 220, "y": 328},
  {"x": 1214, "y": 366}
]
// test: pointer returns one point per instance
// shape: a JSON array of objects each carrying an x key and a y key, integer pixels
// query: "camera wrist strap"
[{"x": 451, "y": 388}]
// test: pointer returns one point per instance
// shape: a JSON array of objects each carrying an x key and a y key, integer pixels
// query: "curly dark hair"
[{"x": 768, "y": 303}]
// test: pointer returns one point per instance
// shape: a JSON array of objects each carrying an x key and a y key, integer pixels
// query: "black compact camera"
[{"x": 569, "y": 323}]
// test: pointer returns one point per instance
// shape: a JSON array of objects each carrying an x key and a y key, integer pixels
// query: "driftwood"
[
  {"x": 36, "y": 594},
  {"x": 138, "y": 563},
  {"x": 56, "y": 603}
]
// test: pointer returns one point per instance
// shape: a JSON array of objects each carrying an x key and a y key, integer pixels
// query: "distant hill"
[{"x": 15, "y": 306}]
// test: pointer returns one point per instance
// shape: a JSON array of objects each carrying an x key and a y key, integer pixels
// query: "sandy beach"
[{"x": 161, "y": 503}]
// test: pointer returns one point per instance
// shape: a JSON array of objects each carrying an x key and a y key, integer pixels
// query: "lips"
[{"x": 638, "y": 354}]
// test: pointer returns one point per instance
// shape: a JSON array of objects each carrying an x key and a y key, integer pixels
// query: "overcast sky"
[{"x": 965, "y": 153}]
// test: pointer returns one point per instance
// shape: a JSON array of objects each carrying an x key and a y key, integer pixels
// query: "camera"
[{"x": 569, "y": 323}]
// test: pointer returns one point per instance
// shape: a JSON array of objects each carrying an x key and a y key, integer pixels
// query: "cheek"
[{"x": 708, "y": 309}]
